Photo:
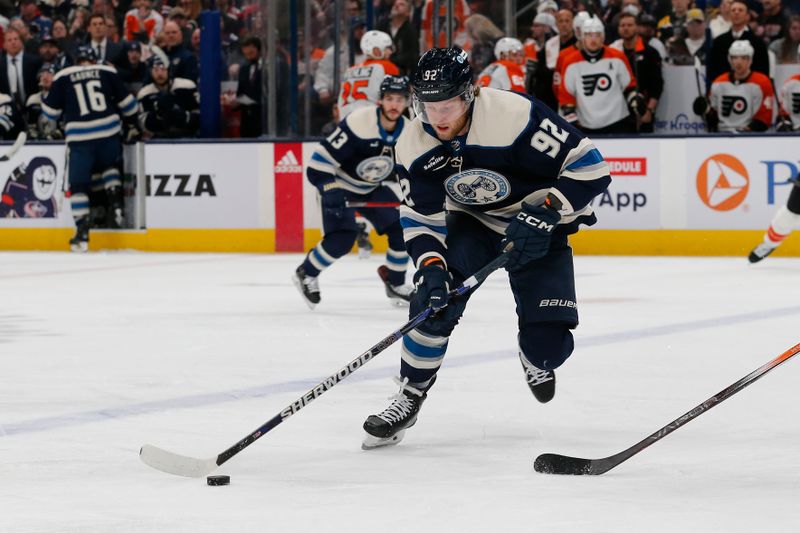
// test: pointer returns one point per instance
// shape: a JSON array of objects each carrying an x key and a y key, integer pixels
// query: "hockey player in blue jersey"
[
  {"x": 353, "y": 164},
  {"x": 480, "y": 168},
  {"x": 93, "y": 102}
]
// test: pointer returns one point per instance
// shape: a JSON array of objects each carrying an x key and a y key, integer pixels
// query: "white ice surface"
[{"x": 102, "y": 353}]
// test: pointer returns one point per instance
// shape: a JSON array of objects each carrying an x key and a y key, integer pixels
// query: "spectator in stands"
[
  {"x": 483, "y": 35},
  {"x": 249, "y": 90},
  {"x": 608, "y": 17},
  {"x": 108, "y": 52},
  {"x": 459, "y": 32},
  {"x": 772, "y": 21},
  {"x": 30, "y": 43},
  {"x": 646, "y": 65},
  {"x": 646, "y": 27},
  {"x": 183, "y": 63},
  {"x": 718, "y": 60},
  {"x": 404, "y": 36},
  {"x": 30, "y": 15},
  {"x": 323, "y": 82},
  {"x": 548, "y": 57},
  {"x": 673, "y": 25},
  {"x": 695, "y": 44},
  {"x": 169, "y": 105},
  {"x": 19, "y": 70},
  {"x": 178, "y": 16},
  {"x": 785, "y": 48},
  {"x": 191, "y": 9},
  {"x": 78, "y": 21},
  {"x": 721, "y": 23},
  {"x": 142, "y": 23}
]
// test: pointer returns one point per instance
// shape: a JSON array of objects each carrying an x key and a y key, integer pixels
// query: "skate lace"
[
  {"x": 312, "y": 284},
  {"x": 401, "y": 405},
  {"x": 537, "y": 376}
]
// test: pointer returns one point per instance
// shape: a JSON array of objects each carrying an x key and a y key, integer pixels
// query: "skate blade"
[
  {"x": 296, "y": 281},
  {"x": 370, "y": 442},
  {"x": 79, "y": 248}
]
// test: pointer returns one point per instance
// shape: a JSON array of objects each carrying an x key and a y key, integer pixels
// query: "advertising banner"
[
  {"x": 632, "y": 199},
  {"x": 203, "y": 185},
  {"x": 738, "y": 183},
  {"x": 32, "y": 188}
]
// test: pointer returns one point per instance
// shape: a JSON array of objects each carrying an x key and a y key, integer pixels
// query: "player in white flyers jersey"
[
  {"x": 789, "y": 111},
  {"x": 506, "y": 73},
  {"x": 598, "y": 89},
  {"x": 739, "y": 100},
  {"x": 361, "y": 84}
]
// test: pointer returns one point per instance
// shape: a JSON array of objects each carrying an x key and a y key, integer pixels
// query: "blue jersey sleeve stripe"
[
  {"x": 592, "y": 157},
  {"x": 75, "y": 130},
  {"x": 317, "y": 157},
  {"x": 408, "y": 223}
]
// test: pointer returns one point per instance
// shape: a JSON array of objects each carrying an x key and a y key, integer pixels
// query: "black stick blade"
[{"x": 553, "y": 463}]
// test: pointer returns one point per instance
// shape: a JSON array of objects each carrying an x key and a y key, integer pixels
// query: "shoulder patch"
[
  {"x": 498, "y": 118},
  {"x": 363, "y": 122}
]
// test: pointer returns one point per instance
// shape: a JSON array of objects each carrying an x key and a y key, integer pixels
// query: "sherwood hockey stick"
[
  {"x": 552, "y": 463},
  {"x": 373, "y": 204},
  {"x": 181, "y": 465},
  {"x": 20, "y": 140}
]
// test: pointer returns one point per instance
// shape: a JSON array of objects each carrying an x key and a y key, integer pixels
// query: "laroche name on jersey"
[
  {"x": 516, "y": 150},
  {"x": 358, "y": 155}
]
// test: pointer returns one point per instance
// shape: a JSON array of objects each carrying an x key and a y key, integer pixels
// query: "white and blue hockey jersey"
[
  {"x": 358, "y": 155},
  {"x": 91, "y": 98},
  {"x": 516, "y": 150}
]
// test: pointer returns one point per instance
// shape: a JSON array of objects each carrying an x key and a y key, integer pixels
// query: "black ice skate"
[
  {"x": 308, "y": 287},
  {"x": 400, "y": 295},
  {"x": 389, "y": 427},
  {"x": 760, "y": 252},
  {"x": 541, "y": 382},
  {"x": 362, "y": 241},
  {"x": 80, "y": 241}
]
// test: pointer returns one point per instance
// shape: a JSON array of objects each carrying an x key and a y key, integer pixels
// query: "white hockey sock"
[{"x": 783, "y": 223}]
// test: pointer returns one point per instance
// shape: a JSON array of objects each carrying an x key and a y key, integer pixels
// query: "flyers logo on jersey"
[
  {"x": 477, "y": 186},
  {"x": 733, "y": 104},
  {"x": 722, "y": 182},
  {"x": 592, "y": 82}
]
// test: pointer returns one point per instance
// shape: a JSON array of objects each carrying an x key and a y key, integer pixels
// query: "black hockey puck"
[{"x": 218, "y": 480}]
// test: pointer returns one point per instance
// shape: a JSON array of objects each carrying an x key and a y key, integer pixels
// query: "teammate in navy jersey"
[
  {"x": 480, "y": 168},
  {"x": 355, "y": 163},
  {"x": 92, "y": 99}
]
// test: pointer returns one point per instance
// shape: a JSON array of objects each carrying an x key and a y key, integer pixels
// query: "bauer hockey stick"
[
  {"x": 373, "y": 204},
  {"x": 182, "y": 465},
  {"x": 20, "y": 140},
  {"x": 552, "y": 463}
]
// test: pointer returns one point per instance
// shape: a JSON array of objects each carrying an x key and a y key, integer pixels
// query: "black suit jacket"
[
  {"x": 114, "y": 53},
  {"x": 30, "y": 72}
]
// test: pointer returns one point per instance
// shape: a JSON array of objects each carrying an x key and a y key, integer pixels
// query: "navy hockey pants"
[
  {"x": 92, "y": 166},
  {"x": 544, "y": 293},
  {"x": 340, "y": 235}
]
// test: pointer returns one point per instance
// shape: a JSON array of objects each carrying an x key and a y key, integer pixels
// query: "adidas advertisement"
[{"x": 738, "y": 183}]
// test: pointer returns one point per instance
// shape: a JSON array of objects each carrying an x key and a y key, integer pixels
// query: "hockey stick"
[
  {"x": 20, "y": 140},
  {"x": 552, "y": 463},
  {"x": 182, "y": 465},
  {"x": 373, "y": 204}
]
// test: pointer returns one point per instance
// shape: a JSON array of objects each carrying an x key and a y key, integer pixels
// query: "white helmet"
[
  {"x": 741, "y": 48},
  {"x": 376, "y": 39},
  {"x": 507, "y": 45},
  {"x": 577, "y": 22},
  {"x": 592, "y": 25},
  {"x": 546, "y": 19}
]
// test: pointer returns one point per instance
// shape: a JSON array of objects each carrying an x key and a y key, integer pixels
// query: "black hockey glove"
[
  {"x": 433, "y": 283},
  {"x": 636, "y": 103},
  {"x": 334, "y": 201},
  {"x": 530, "y": 231},
  {"x": 784, "y": 124},
  {"x": 700, "y": 106}
]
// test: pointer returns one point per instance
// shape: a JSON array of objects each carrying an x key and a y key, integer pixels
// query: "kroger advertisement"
[{"x": 738, "y": 183}]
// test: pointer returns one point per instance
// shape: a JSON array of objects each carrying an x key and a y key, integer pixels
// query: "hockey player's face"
[
  {"x": 446, "y": 117},
  {"x": 593, "y": 41},
  {"x": 740, "y": 64},
  {"x": 393, "y": 105},
  {"x": 159, "y": 74}
]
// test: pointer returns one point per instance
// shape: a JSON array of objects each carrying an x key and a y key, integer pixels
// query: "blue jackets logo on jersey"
[
  {"x": 375, "y": 169},
  {"x": 477, "y": 186}
]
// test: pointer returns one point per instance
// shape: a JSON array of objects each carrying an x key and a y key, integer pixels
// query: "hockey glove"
[
  {"x": 784, "y": 124},
  {"x": 433, "y": 283},
  {"x": 700, "y": 106},
  {"x": 530, "y": 231},
  {"x": 334, "y": 201},
  {"x": 636, "y": 103}
]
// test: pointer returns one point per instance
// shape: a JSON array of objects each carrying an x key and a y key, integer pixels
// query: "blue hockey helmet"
[
  {"x": 395, "y": 84},
  {"x": 85, "y": 53},
  {"x": 441, "y": 74}
]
